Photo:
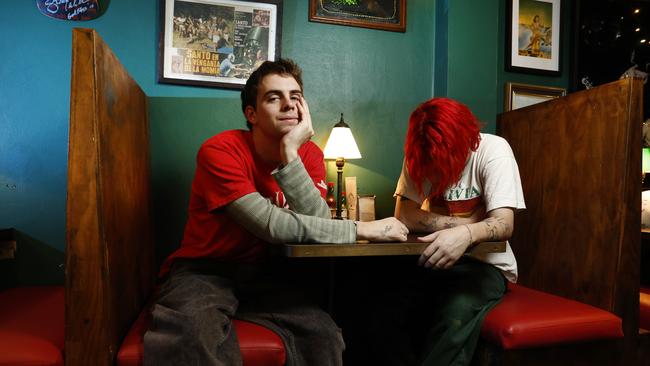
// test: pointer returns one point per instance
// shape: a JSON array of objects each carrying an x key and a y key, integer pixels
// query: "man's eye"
[{"x": 273, "y": 99}]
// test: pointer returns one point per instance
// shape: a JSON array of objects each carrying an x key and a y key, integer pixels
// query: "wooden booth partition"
[
  {"x": 579, "y": 159},
  {"x": 109, "y": 223}
]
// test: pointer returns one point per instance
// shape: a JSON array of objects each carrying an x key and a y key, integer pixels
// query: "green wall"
[{"x": 375, "y": 77}]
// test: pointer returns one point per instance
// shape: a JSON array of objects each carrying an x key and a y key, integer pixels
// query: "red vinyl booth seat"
[
  {"x": 259, "y": 346},
  {"x": 644, "y": 308},
  {"x": 32, "y": 326},
  {"x": 32, "y": 332},
  {"x": 527, "y": 318}
]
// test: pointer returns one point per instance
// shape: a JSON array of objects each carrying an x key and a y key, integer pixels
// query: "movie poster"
[{"x": 217, "y": 41}]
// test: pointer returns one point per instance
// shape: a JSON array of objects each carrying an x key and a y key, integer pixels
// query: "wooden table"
[{"x": 365, "y": 249}]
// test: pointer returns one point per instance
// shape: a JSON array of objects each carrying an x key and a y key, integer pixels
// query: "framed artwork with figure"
[
  {"x": 217, "y": 43},
  {"x": 387, "y": 15},
  {"x": 533, "y": 36}
]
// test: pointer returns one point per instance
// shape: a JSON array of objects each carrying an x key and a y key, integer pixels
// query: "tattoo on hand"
[{"x": 387, "y": 229}]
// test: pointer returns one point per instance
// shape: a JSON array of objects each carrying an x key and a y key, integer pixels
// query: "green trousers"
[{"x": 434, "y": 318}]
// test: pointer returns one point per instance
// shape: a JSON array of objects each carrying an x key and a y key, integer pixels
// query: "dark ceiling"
[{"x": 612, "y": 37}]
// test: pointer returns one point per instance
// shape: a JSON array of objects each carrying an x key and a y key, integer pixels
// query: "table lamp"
[{"x": 340, "y": 146}]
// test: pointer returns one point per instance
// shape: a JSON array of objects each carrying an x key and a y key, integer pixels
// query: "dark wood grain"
[
  {"x": 411, "y": 247},
  {"x": 579, "y": 159},
  {"x": 109, "y": 252}
]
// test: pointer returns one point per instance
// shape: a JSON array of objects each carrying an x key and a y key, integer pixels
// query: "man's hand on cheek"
[{"x": 298, "y": 135}]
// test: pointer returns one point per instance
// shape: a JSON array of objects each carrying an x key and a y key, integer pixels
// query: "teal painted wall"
[
  {"x": 472, "y": 56},
  {"x": 375, "y": 77}
]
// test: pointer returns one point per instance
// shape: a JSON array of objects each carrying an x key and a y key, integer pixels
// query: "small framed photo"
[
  {"x": 533, "y": 36},
  {"x": 522, "y": 95},
  {"x": 217, "y": 43},
  {"x": 387, "y": 15}
]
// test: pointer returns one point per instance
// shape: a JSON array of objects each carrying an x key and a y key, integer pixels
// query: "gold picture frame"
[{"x": 523, "y": 95}]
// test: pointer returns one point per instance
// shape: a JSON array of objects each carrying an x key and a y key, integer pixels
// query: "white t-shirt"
[{"x": 490, "y": 177}]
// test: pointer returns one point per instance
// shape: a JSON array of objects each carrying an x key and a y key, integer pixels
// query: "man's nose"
[{"x": 289, "y": 104}]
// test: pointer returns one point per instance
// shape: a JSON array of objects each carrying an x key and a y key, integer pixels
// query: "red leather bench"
[
  {"x": 527, "y": 318},
  {"x": 644, "y": 308},
  {"x": 259, "y": 346},
  {"x": 32, "y": 332},
  {"x": 32, "y": 326}
]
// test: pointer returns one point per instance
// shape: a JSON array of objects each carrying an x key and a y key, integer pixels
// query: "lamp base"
[
  {"x": 344, "y": 214},
  {"x": 339, "y": 177}
]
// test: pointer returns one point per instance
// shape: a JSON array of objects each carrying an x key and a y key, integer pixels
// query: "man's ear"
[{"x": 251, "y": 115}]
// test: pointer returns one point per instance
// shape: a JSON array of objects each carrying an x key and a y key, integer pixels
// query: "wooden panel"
[
  {"x": 579, "y": 160},
  {"x": 376, "y": 249},
  {"x": 109, "y": 253}
]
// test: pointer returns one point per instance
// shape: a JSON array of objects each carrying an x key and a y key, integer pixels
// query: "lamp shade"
[{"x": 341, "y": 143}]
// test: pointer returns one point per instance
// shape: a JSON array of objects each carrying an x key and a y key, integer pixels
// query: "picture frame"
[
  {"x": 217, "y": 43},
  {"x": 533, "y": 37},
  {"x": 523, "y": 95},
  {"x": 389, "y": 15}
]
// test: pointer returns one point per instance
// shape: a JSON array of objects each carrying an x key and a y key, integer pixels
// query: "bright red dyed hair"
[{"x": 440, "y": 136}]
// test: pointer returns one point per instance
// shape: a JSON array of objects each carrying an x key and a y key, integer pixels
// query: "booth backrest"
[
  {"x": 109, "y": 225},
  {"x": 579, "y": 159}
]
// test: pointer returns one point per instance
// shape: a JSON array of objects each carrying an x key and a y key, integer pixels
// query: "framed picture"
[
  {"x": 522, "y": 95},
  {"x": 217, "y": 43},
  {"x": 533, "y": 36},
  {"x": 387, "y": 15}
]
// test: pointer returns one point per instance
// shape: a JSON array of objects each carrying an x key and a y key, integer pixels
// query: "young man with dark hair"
[
  {"x": 458, "y": 187},
  {"x": 252, "y": 188}
]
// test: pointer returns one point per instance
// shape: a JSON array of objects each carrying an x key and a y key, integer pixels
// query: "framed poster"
[
  {"x": 217, "y": 43},
  {"x": 533, "y": 36},
  {"x": 522, "y": 95},
  {"x": 387, "y": 15}
]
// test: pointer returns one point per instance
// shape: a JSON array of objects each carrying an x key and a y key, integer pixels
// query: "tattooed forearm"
[
  {"x": 496, "y": 228},
  {"x": 433, "y": 222},
  {"x": 428, "y": 224}
]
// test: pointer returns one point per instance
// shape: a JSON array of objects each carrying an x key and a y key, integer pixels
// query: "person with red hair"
[{"x": 458, "y": 187}]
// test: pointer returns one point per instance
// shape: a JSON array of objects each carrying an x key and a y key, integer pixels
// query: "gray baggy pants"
[{"x": 191, "y": 319}]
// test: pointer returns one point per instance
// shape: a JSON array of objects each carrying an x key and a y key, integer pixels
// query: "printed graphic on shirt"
[{"x": 458, "y": 201}]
